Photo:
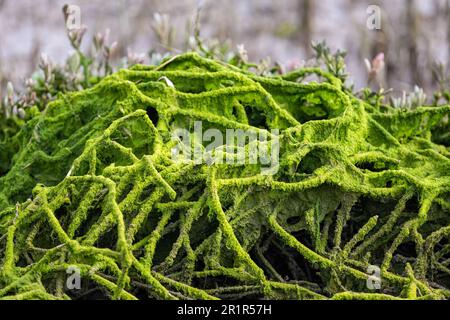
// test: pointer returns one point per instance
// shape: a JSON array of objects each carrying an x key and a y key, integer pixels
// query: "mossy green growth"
[{"x": 91, "y": 184}]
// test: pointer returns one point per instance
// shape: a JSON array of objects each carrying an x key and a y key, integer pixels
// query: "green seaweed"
[{"x": 91, "y": 183}]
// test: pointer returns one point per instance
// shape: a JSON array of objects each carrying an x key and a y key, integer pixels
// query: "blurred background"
[{"x": 414, "y": 35}]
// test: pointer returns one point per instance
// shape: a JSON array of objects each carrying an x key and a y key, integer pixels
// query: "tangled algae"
[{"x": 91, "y": 184}]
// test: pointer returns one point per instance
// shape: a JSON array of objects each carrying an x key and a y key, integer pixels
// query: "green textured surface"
[{"x": 356, "y": 187}]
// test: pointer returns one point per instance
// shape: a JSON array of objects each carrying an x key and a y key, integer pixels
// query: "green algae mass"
[{"x": 90, "y": 184}]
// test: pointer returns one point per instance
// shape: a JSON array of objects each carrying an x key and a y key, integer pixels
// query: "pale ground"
[{"x": 267, "y": 28}]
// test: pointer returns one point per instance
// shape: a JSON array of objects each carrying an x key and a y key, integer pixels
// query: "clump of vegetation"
[
  {"x": 88, "y": 181},
  {"x": 356, "y": 187}
]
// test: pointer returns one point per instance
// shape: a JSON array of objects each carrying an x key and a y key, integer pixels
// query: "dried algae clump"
[{"x": 91, "y": 184}]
